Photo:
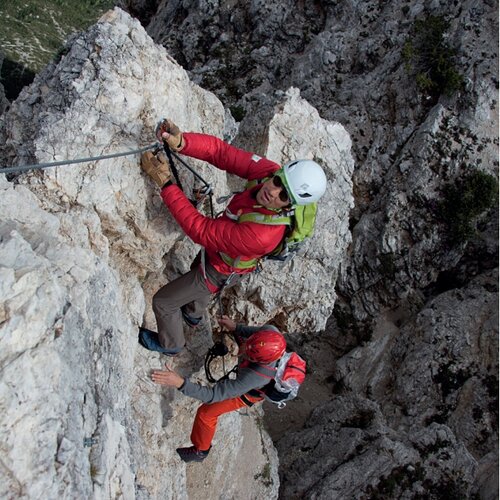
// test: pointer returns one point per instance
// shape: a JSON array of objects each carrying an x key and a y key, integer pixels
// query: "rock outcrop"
[
  {"x": 433, "y": 426},
  {"x": 299, "y": 295},
  {"x": 85, "y": 246},
  {"x": 348, "y": 435}
]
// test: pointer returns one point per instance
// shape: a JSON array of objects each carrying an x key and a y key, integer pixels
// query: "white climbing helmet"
[{"x": 304, "y": 180}]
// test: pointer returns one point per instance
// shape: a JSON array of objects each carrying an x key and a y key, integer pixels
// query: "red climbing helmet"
[{"x": 265, "y": 346}]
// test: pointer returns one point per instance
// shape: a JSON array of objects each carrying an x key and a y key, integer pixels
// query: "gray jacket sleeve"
[{"x": 246, "y": 380}]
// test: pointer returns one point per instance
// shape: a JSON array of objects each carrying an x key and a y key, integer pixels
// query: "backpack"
[
  {"x": 301, "y": 227},
  {"x": 284, "y": 386}
]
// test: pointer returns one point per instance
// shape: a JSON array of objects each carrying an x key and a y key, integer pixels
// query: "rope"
[
  {"x": 173, "y": 168},
  {"x": 169, "y": 153},
  {"x": 208, "y": 188},
  {"x": 40, "y": 166},
  {"x": 219, "y": 349},
  {"x": 196, "y": 174},
  {"x": 218, "y": 295}
]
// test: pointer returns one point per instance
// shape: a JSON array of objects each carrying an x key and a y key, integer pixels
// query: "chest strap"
[{"x": 258, "y": 218}]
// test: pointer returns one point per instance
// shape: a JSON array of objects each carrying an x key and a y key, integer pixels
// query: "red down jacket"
[{"x": 247, "y": 240}]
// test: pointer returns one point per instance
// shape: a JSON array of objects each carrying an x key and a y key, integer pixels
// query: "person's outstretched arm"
[
  {"x": 226, "y": 157},
  {"x": 246, "y": 380}
]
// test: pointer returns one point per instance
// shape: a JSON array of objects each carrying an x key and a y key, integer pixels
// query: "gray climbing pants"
[{"x": 188, "y": 290}]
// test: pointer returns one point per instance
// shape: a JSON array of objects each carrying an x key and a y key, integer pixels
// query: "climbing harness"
[{"x": 299, "y": 221}]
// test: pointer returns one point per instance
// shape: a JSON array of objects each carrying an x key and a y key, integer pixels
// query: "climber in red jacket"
[{"x": 231, "y": 248}]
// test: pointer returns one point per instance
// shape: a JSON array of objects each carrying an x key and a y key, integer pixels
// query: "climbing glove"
[
  {"x": 156, "y": 167},
  {"x": 170, "y": 133}
]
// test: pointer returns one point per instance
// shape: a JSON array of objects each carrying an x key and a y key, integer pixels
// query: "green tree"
[
  {"x": 429, "y": 57},
  {"x": 465, "y": 200}
]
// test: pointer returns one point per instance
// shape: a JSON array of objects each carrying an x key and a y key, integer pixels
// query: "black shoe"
[
  {"x": 149, "y": 340},
  {"x": 192, "y": 454},
  {"x": 190, "y": 320}
]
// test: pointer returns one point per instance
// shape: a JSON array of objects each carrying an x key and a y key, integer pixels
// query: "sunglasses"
[{"x": 283, "y": 194}]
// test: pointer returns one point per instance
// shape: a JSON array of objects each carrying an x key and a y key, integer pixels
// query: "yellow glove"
[
  {"x": 156, "y": 167},
  {"x": 167, "y": 131}
]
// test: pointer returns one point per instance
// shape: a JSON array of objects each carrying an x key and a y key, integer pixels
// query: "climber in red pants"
[{"x": 260, "y": 348}]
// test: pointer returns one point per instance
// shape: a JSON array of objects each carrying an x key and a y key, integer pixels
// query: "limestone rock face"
[
  {"x": 83, "y": 249},
  {"x": 346, "y": 450},
  {"x": 407, "y": 370},
  {"x": 414, "y": 327},
  {"x": 438, "y": 369}
]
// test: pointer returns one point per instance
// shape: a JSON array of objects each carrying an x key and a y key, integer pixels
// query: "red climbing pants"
[{"x": 207, "y": 416}]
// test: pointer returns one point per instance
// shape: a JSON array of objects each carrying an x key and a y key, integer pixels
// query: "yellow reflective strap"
[{"x": 270, "y": 220}]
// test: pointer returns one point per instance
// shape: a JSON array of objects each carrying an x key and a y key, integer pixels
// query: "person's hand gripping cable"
[{"x": 168, "y": 132}]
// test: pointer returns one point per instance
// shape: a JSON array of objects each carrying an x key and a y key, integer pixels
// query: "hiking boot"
[
  {"x": 192, "y": 454},
  {"x": 190, "y": 320},
  {"x": 149, "y": 340}
]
